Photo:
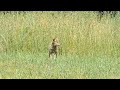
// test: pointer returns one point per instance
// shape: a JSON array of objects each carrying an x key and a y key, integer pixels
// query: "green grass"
[
  {"x": 90, "y": 48},
  {"x": 33, "y": 66}
]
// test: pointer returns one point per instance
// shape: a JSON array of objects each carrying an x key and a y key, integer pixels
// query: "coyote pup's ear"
[{"x": 54, "y": 39}]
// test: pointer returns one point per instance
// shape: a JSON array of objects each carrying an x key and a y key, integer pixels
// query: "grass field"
[{"x": 90, "y": 49}]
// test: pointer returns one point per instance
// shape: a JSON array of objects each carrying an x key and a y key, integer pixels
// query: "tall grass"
[
  {"x": 90, "y": 47},
  {"x": 79, "y": 32}
]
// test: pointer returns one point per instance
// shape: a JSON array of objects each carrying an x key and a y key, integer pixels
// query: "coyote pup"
[{"x": 53, "y": 47}]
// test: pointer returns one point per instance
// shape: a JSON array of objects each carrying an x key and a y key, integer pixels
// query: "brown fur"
[{"x": 53, "y": 47}]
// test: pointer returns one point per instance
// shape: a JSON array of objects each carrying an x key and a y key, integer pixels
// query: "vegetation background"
[{"x": 90, "y": 46}]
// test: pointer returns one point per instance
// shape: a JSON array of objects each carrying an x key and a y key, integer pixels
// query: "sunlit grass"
[
  {"x": 26, "y": 65},
  {"x": 90, "y": 48}
]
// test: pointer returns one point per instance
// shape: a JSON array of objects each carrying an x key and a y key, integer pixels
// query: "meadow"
[{"x": 90, "y": 48}]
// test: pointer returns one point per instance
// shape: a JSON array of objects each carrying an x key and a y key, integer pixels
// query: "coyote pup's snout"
[{"x": 53, "y": 47}]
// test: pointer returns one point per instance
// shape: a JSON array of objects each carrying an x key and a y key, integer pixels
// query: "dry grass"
[{"x": 80, "y": 34}]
